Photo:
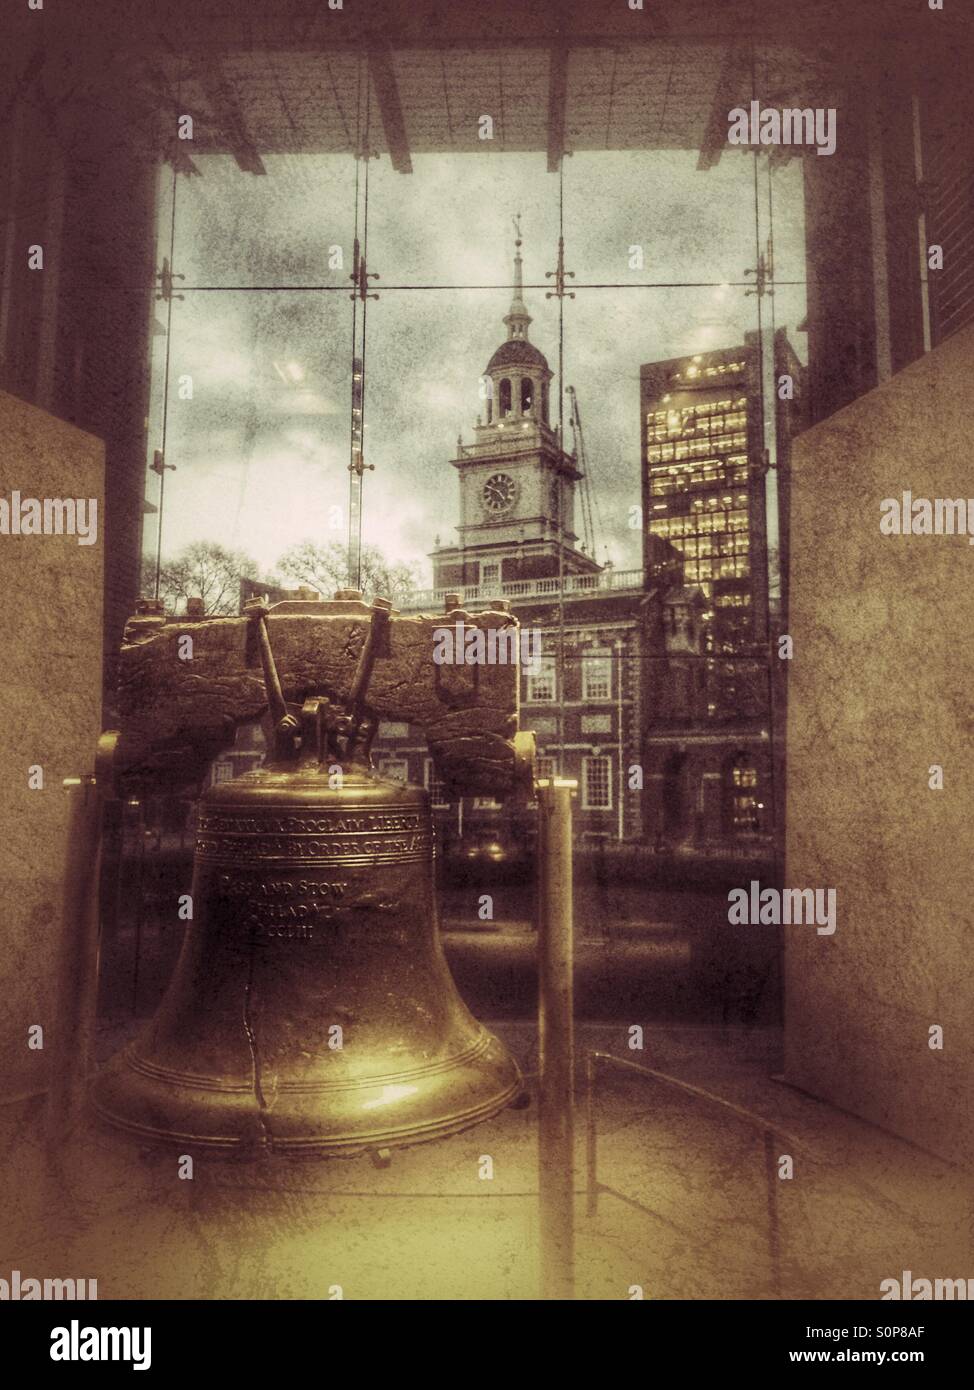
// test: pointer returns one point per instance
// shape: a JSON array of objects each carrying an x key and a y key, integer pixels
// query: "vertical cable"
[
  {"x": 353, "y": 567},
  {"x": 360, "y": 278},
  {"x": 771, "y": 242},
  {"x": 165, "y": 388},
  {"x": 561, "y": 489},
  {"x": 773, "y": 509},
  {"x": 759, "y": 269},
  {"x": 771, "y": 477},
  {"x": 365, "y": 312},
  {"x": 763, "y": 271}
]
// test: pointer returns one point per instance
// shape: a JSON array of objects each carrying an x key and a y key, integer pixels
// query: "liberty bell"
[{"x": 311, "y": 1010}]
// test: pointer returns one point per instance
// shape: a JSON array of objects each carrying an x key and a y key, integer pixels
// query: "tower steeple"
[
  {"x": 517, "y": 484},
  {"x": 518, "y": 376},
  {"x": 517, "y": 318}
]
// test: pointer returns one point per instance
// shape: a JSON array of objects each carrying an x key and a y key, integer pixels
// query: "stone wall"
[
  {"x": 50, "y": 694},
  {"x": 881, "y": 691}
]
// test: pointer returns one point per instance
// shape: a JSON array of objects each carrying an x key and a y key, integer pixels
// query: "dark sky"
[{"x": 262, "y": 461}]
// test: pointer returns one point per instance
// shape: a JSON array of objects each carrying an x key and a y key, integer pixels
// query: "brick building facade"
[
  {"x": 659, "y": 690},
  {"x": 518, "y": 547}
]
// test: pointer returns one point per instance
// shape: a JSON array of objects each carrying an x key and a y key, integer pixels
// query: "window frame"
[
  {"x": 431, "y": 783},
  {"x": 605, "y": 762},
  {"x": 592, "y": 658},
  {"x": 547, "y": 664}
]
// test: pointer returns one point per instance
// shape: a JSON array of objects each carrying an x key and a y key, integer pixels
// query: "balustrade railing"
[{"x": 576, "y": 585}]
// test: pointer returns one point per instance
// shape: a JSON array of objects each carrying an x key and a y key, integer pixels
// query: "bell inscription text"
[{"x": 348, "y": 836}]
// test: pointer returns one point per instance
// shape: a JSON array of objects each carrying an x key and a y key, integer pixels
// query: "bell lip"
[
  {"x": 319, "y": 1146},
  {"x": 255, "y": 1128}
]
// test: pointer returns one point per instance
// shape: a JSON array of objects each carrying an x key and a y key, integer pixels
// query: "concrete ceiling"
[
  {"x": 664, "y": 94},
  {"x": 267, "y": 77}
]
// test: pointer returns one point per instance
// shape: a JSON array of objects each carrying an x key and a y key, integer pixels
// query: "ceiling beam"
[
  {"x": 220, "y": 93},
  {"x": 733, "y": 79},
  {"x": 181, "y": 161},
  {"x": 390, "y": 108}
]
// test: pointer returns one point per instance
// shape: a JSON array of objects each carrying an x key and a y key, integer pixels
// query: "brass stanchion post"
[
  {"x": 77, "y": 984},
  {"x": 556, "y": 1159}
]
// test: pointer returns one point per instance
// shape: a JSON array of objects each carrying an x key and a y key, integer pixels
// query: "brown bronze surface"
[{"x": 313, "y": 912}]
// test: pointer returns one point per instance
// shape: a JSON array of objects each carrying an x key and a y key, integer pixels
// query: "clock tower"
[{"x": 517, "y": 484}]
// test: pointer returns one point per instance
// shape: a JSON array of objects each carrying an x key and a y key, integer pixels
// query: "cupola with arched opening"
[{"x": 517, "y": 377}]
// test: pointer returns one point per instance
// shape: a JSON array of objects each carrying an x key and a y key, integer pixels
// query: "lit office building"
[
  {"x": 714, "y": 694},
  {"x": 703, "y": 479}
]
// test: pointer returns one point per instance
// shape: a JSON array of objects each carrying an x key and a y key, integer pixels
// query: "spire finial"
[
  {"x": 518, "y": 318},
  {"x": 518, "y": 280}
]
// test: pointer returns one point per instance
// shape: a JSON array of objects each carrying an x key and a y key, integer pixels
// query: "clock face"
[{"x": 499, "y": 492}]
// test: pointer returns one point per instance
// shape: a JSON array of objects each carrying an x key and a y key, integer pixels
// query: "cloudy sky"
[{"x": 262, "y": 461}]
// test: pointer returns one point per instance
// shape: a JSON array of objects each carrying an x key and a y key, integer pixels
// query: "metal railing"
[
  {"x": 575, "y": 585},
  {"x": 768, "y": 1130}
]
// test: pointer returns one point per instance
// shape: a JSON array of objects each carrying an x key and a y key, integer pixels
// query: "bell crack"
[{"x": 254, "y": 1052}]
